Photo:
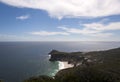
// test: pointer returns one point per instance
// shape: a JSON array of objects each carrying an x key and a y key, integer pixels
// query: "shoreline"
[
  {"x": 64, "y": 65},
  {"x": 61, "y": 65}
]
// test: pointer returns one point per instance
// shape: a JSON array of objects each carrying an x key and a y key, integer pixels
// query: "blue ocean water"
[{"x": 21, "y": 60}]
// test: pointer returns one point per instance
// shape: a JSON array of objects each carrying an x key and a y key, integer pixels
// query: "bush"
[
  {"x": 40, "y": 79},
  {"x": 86, "y": 74}
]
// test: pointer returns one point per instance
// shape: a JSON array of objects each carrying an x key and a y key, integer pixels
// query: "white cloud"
[
  {"x": 102, "y": 27},
  {"x": 104, "y": 20},
  {"x": 94, "y": 29},
  {"x": 23, "y": 17},
  {"x": 70, "y": 8},
  {"x": 46, "y": 33},
  {"x": 78, "y": 31}
]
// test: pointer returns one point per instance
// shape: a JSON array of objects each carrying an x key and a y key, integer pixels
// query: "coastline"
[
  {"x": 61, "y": 65},
  {"x": 64, "y": 65}
]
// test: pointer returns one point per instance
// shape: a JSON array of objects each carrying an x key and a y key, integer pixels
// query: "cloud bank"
[
  {"x": 92, "y": 29},
  {"x": 70, "y": 8}
]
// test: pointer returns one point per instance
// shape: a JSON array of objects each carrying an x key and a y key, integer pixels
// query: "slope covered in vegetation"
[{"x": 97, "y": 66}]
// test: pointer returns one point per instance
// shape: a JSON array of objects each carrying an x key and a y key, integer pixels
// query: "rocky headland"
[{"x": 95, "y": 66}]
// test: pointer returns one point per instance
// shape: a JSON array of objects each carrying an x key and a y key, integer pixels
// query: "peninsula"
[{"x": 95, "y": 66}]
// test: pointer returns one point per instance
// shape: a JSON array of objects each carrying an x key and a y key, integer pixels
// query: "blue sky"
[{"x": 62, "y": 20}]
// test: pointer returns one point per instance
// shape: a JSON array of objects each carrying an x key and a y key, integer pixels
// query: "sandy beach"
[{"x": 64, "y": 65}]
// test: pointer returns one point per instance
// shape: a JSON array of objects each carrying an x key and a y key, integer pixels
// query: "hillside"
[{"x": 96, "y": 66}]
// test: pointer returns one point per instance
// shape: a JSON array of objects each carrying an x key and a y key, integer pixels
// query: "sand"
[{"x": 64, "y": 65}]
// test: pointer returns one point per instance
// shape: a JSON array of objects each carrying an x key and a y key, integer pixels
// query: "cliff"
[
  {"x": 64, "y": 56},
  {"x": 72, "y": 58},
  {"x": 106, "y": 67}
]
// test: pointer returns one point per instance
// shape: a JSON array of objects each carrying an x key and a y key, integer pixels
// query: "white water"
[
  {"x": 61, "y": 65},
  {"x": 64, "y": 65}
]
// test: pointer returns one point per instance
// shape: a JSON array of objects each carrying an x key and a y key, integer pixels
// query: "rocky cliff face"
[
  {"x": 106, "y": 57},
  {"x": 106, "y": 71},
  {"x": 107, "y": 63},
  {"x": 71, "y": 58}
]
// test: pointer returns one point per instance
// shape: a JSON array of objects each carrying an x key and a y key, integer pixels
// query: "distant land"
[{"x": 95, "y": 66}]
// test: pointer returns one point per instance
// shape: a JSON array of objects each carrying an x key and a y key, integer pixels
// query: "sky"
[{"x": 59, "y": 20}]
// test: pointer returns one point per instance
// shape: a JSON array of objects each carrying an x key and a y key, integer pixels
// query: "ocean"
[{"x": 21, "y": 60}]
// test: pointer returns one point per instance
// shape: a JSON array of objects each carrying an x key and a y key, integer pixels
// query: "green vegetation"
[
  {"x": 86, "y": 74},
  {"x": 40, "y": 79},
  {"x": 97, "y": 66},
  {"x": 78, "y": 74}
]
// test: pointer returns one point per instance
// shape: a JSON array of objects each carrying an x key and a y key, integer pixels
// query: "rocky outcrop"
[
  {"x": 106, "y": 71},
  {"x": 86, "y": 58},
  {"x": 71, "y": 58}
]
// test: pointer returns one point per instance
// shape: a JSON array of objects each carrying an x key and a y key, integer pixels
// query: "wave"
[{"x": 64, "y": 65}]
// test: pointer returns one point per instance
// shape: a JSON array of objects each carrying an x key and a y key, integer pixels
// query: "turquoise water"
[{"x": 21, "y": 60}]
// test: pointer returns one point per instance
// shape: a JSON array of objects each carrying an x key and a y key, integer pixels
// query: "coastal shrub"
[
  {"x": 40, "y": 79},
  {"x": 78, "y": 74},
  {"x": 107, "y": 70},
  {"x": 86, "y": 74}
]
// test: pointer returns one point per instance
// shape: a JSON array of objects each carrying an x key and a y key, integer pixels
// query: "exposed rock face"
[
  {"x": 107, "y": 63},
  {"x": 107, "y": 71},
  {"x": 71, "y": 58},
  {"x": 58, "y": 56},
  {"x": 87, "y": 58},
  {"x": 64, "y": 56}
]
